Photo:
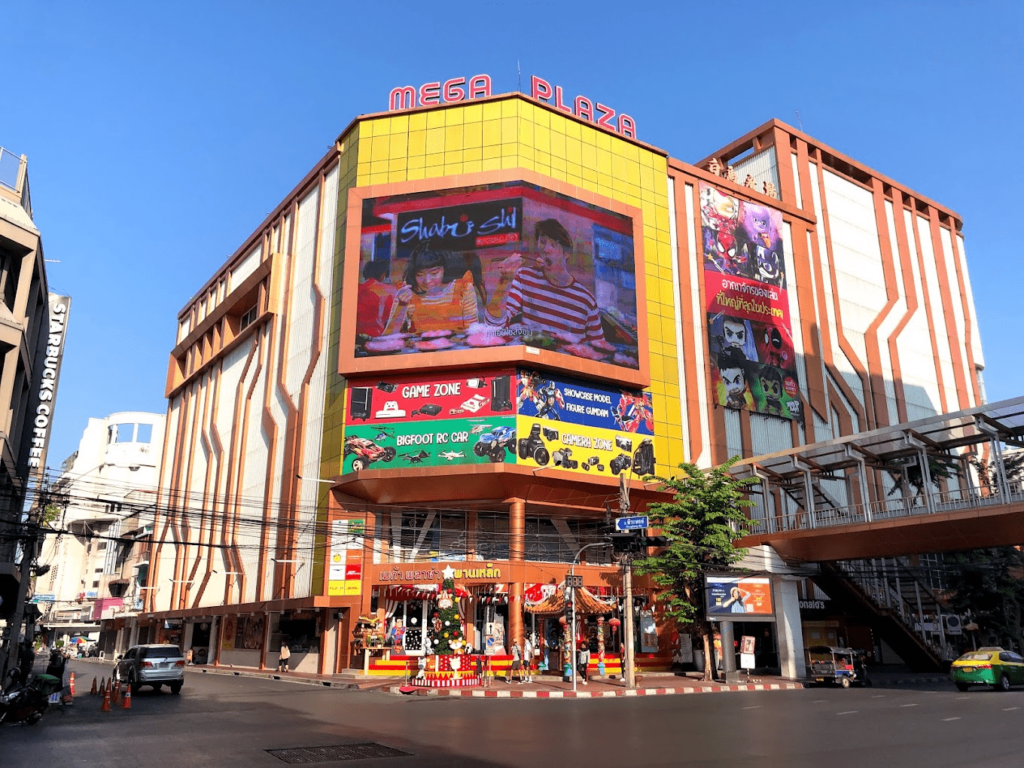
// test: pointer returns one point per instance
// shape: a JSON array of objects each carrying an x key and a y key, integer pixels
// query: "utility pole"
[
  {"x": 627, "y": 584},
  {"x": 28, "y": 555}
]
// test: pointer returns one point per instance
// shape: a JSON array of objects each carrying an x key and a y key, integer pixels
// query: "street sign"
[
  {"x": 631, "y": 523},
  {"x": 43, "y": 598},
  {"x": 573, "y": 582}
]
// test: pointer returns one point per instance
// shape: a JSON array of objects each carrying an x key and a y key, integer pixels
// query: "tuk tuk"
[{"x": 844, "y": 666}]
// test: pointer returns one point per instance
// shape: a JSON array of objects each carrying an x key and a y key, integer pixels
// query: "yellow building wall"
[{"x": 517, "y": 133}]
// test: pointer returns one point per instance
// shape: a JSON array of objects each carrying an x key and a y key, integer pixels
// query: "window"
[
  {"x": 248, "y": 318},
  {"x": 95, "y": 584},
  {"x": 125, "y": 433},
  {"x": 145, "y": 433}
]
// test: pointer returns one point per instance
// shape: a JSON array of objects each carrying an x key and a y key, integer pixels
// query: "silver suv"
[{"x": 154, "y": 665}]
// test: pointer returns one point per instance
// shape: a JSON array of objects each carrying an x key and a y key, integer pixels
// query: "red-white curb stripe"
[{"x": 559, "y": 694}]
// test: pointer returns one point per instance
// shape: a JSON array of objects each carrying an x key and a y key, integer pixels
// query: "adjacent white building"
[{"x": 96, "y": 502}]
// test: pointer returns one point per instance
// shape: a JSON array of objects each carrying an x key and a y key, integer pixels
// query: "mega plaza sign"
[{"x": 479, "y": 86}]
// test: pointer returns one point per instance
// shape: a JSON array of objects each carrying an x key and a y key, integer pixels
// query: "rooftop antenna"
[{"x": 799, "y": 122}]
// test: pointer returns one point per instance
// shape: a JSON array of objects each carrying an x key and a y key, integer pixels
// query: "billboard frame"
[
  {"x": 349, "y": 365},
  {"x": 738, "y": 618}
]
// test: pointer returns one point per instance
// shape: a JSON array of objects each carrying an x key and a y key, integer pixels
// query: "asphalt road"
[{"x": 233, "y": 721}]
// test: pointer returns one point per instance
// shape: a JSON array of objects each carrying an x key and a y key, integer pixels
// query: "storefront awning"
[
  {"x": 586, "y": 604},
  {"x": 402, "y": 592}
]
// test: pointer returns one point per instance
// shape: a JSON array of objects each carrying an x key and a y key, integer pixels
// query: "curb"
[
  {"x": 476, "y": 693},
  {"x": 276, "y": 676}
]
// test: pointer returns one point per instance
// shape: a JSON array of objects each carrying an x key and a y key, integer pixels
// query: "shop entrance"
[
  {"x": 491, "y": 624},
  {"x": 201, "y": 642}
]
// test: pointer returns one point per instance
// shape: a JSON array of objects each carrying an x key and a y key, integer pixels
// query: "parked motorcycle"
[{"x": 27, "y": 702}]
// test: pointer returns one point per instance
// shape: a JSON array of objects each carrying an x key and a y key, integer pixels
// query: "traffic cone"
[
  {"x": 106, "y": 700},
  {"x": 92, "y": 691},
  {"x": 127, "y": 698},
  {"x": 71, "y": 684},
  {"x": 117, "y": 695}
]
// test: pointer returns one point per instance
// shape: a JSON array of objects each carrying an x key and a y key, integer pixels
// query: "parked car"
[
  {"x": 153, "y": 665},
  {"x": 988, "y": 666}
]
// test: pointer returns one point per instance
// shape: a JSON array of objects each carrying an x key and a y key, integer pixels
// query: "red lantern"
[
  {"x": 562, "y": 620},
  {"x": 614, "y": 623}
]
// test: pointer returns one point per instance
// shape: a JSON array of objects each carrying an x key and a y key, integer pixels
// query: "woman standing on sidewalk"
[
  {"x": 283, "y": 657},
  {"x": 583, "y": 661}
]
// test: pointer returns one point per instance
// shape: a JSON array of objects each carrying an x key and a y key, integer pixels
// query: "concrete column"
[
  {"x": 728, "y": 652},
  {"x": 213, "y": 651},
  {"x": 788, "y": 628},
  {"x": 516, "y": 553}
]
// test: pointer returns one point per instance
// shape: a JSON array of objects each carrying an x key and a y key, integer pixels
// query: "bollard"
[
  {"x": 92, "y": 691},
  {"x": 71, "y": 684},
  {"x": 127, "y": 698},
  {"x": 106, "y": 700}
]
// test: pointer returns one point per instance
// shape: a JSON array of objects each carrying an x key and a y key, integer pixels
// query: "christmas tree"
[{"x": 445, "y": 632}]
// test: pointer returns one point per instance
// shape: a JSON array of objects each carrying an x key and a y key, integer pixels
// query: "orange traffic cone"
[
  {"x": 106, "y": 700},
  {"x": 71, "y": 684},
  {"x": 117, "y": 695},
  {"x": 92, "y": 691},
  {"x": 127, "y": 698}
]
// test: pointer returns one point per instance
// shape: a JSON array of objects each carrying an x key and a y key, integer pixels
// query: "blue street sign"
[{"x": 630, "y": 523}]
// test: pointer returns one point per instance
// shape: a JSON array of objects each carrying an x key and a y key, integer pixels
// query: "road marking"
[
  {"x": 848, "y": 712},
  {"x": 879, "y": 696},
  {"x": 962, "y": 697},
  {"x": 908, "y": 705},
  {"x": 819, "y": 701},
  {"x": 1010, "y": 709},
  {"x": 759, "y": 706},
  {"x": 948, "y": 719}
]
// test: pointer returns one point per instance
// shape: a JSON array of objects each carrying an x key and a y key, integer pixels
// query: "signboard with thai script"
[{"x": 750, "y": 337}]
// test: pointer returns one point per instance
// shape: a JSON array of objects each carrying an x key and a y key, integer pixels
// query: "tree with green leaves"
[
  {"x": 702, "y": 521},
  {"x": 986, "y": 585}
]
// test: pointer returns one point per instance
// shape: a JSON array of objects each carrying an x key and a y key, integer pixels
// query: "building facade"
[
  {"x": 449, "y": 345},
  {"x": 98, "y": 562},
  {"x": 33, "y": 325}
]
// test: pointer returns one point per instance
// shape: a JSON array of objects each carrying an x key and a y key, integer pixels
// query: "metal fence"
[{"x": 779, "y": 521}]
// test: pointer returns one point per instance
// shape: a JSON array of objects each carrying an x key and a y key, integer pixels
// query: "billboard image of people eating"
[{"x": 496, "y": 265}]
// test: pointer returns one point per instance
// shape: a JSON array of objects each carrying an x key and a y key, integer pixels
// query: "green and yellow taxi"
[{"x": 988, "y": 666}]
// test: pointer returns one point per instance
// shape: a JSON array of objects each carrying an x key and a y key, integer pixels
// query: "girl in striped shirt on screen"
[{"x": 439, "y": 294}]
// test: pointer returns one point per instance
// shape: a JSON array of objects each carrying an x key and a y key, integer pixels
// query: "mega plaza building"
[{"x": 470, "y": 320}]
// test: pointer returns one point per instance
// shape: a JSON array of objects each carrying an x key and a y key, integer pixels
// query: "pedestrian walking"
[
  {"x": 517, "y": 663},
  {"x": 528, "y": 651},
  {"x": 283, "y": 657},
  {"x": 188, "y": 657},
  {"x": 583, "y": 661}
]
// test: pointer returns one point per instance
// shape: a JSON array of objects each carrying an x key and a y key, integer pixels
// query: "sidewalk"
[{"x": 544, "y": 687}]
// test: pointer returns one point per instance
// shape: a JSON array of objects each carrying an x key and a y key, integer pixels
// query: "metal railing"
[
  {"x": 876, "y": 584},
  {"x": 10, "y": 169},
  {"x": 891, "y": 508}
]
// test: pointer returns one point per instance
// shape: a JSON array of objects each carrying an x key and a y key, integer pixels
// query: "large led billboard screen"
[
  {"x": 496, "y": 265},
  {"x": 748, "y": 596},
  {"x": 750, "y": 337},
  {"x": 504, "y": 415}
]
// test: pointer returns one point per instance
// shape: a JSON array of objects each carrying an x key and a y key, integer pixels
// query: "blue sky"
[{"x": 160, "y": 135}]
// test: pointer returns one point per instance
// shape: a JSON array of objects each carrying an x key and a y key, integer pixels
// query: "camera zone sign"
[{"x": 479, "y": 86}]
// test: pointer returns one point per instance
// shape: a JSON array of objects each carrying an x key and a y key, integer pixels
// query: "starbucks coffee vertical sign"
[{"x": 46, "y": 375}]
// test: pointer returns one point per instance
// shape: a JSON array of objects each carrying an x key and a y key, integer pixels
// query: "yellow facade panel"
[
  {"x": 473, "y": 135},
  {"x": 436, "y": 119},
  {"x": 417, "y": 144},
  {"x": 435, "y": 140}
]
